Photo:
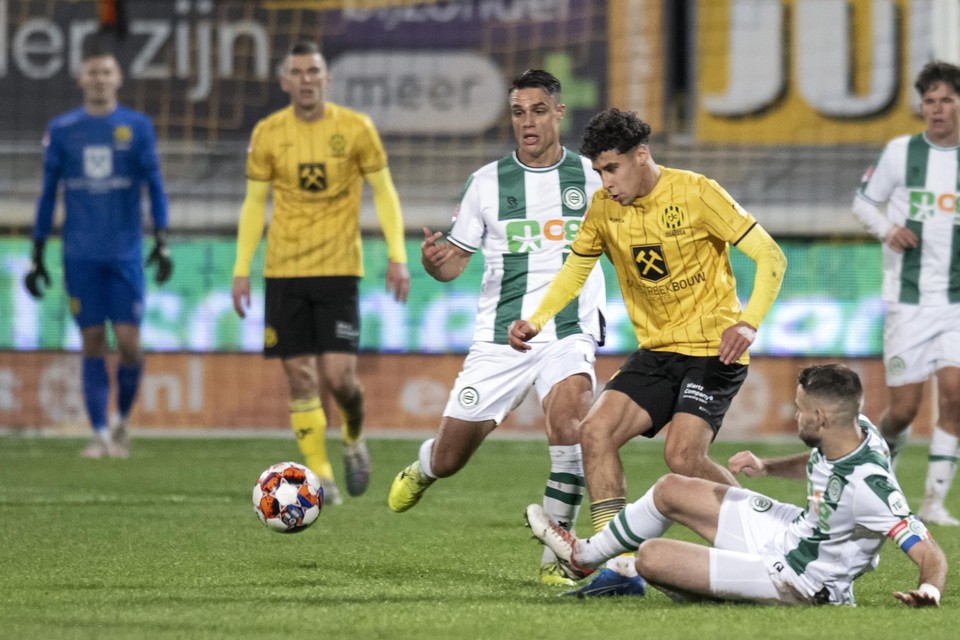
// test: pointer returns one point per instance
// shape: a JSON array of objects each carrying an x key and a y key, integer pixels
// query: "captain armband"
[{"x": 909, "y": 532}]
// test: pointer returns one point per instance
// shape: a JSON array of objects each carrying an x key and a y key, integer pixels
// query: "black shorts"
[
  {"x": 305, "y": 316},
  {"x": 665, "y": 383}
]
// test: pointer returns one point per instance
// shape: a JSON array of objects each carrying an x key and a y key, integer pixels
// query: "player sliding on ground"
[{"x": 763, "y": 550}]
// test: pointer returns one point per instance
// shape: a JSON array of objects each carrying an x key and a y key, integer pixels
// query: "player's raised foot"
[
  {"x": 98, "y": 447},
  {"x": 356, "y": 464},
  {"x": 331, "y": 493},
  {"x": 407, "y": 488},
  {"x": 557, "y": 539},
  {"x": 552, "y": 575},
  {"x": 610, "y": 583},
  {"x": 934, "y": 513},
  {"x": 119, "y": 446}
]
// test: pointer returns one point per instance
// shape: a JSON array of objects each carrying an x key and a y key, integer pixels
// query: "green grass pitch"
[{"x": 166, "y": 545}]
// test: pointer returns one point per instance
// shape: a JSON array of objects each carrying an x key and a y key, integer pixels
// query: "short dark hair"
[
  {"x": 938, "y": 71},
  {"x": 613, "y": 129},
  {"x": 537, "y": 79},
  {"x": 304, "y": 48},
  {"x": 97, "y": 49},
  {"x": 834, "y": 382}
]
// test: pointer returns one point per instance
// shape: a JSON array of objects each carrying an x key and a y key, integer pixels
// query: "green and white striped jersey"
[
  {"x": 524, "y": 220},
  {"x": 919, "y": 183},
  {"x": 853, "y": 504}
]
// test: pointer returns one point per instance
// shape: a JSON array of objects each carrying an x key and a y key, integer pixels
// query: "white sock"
[
  {"x": 941, "y": 466},
  {"x": 426, "y": 450},
  {"x": 564, "y": 490},
  {"x": 637, "y": 522}
]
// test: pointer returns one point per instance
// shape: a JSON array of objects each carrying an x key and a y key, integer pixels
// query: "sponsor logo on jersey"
[
  {"x": 75, "y": 306},
  {"x": 925, "y": 204},
  {"x": 651, "y": 265},
  {"x": 574, "y": 198},
  {"x": 313, "y": 176},
  {"x": 761, "y": 503},
  {"x": 346, "y": 330},
  {"x": 898, "y": 504},
  {"x": 97, "y": 162},
  {"x": 338, "y": 146},
  {"x": 468, "y": 397},
  {"x": 525, "y": 236}
]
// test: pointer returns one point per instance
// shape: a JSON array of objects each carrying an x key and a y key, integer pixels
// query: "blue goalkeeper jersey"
[{"x": 103, "y": 163}]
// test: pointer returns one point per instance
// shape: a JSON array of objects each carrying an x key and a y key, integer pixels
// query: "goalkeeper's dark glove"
[
  {"x": 160, "y": 256},
  {"x": 37, "y": 272}
]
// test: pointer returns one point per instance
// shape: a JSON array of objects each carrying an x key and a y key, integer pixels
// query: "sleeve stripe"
[
  {"x": 462, "y": 245},
  {"x": 586, "y": 255},
  {"x": 744, "y": 234}
]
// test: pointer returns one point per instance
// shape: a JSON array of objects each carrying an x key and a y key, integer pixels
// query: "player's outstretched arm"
[
  {"x": 752, "y": 466},
  {"x": 443, "y": 261},
  {"x": 928, "y": 556},
  {"x": 520, "y": 333}
]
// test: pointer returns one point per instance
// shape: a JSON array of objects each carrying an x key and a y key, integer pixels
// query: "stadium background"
[{"x": 784, "y": 103}]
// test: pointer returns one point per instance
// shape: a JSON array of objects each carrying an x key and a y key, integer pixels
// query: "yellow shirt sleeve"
[
  {"x": 388, "y": 211},
  {"x": 771, "y": 265},
  {"x": 250, "y": 229},
  {"x": 564, "y": 288}
]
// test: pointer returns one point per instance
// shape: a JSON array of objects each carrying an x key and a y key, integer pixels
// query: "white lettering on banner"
[
  {"x": 40, "y": 48},
  {"x": 59, "y": 391},
  {"x": 412, "y": 92},
  {"x": 760, "y": 60},
  {"x": 171, "y": 386},
  {"x": 10, "y": 384},
  {"x": 423, "y": 397},
  {"x": 465, "y": 10}
]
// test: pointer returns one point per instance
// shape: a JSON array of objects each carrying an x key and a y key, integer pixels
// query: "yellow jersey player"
[
  {"x": 315, "y": 155},
  {"x": 667, "y": 233}
]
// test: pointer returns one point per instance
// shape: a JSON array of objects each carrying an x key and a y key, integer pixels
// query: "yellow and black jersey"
[
  {"x": 670, "y": 252},
  {"x": 316, "y": 171}
]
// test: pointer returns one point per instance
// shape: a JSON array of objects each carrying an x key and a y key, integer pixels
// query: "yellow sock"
[
  {"x": 351, "y": 418},
  {"x": 310, "y": 426},
  {"x": 603, "y": 512}
]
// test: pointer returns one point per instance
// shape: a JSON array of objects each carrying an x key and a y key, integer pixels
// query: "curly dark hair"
[
  {"x": 537, "y": 79},
  {"x": 613, "y": 129},
  {"x": 938, "y": 71}
]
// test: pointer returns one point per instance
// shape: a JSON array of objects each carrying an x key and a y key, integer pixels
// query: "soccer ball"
[{"x": 288, "y": 497}]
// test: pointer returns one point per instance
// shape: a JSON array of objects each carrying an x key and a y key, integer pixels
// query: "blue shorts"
[{"x": 101, "y": 291}]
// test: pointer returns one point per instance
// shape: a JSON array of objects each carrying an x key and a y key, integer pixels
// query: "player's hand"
[
  {"x": 918, "y": 598},
  {"x": 241, "y": 295},
  {"x": 747, "y": 463},
  {"x": 398, "y": 280},
  {"x": 735, "y": 340},
  {"x": 433, "y": 253},
  {"x": 36, "y": 275},
  {"x": 160, "y": 256},
  {"x": 520, "y": 333},
  {"x": 900, "y": 238}
]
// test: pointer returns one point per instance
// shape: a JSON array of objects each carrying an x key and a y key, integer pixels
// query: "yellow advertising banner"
[
  {"x": 809, "y": 71},
  {"x": 404, "y": 393}
]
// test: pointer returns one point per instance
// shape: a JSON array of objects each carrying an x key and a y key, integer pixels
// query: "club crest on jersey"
[
  {"x": 574, "y": 198},
  {"x": 122, "y": 136},
  {"x": 674, "y": 221},
  {"x": 761, "y": 503},
  {"x": 468, "y": 397},
  {"x": 834, "y": 489},
  {"x": 313, "y": 176},
  {"x": 98, "y": 162},
  {"x": 338, "y": 146},
  {"x": 651, "y": 264}
]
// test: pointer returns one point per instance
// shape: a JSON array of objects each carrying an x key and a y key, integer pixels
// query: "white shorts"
[
  {"x": 919, "y": 340},
  {"x": 495, "y": 377},
  {"x": 739, "y": 567}
]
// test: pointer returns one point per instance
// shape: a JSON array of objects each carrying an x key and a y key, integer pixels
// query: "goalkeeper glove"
[
  {"x": 37, "y": 272},
  {"x": 160, "y": 256}
]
